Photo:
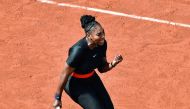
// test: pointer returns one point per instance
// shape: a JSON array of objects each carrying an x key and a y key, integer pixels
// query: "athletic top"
[{"x": 84, "y": 59}]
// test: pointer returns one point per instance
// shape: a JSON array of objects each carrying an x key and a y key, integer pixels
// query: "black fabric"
[
  {"x": 89, "y": 93},
  {"x": 84, "y": 59}
]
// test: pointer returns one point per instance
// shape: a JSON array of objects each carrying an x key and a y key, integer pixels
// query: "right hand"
[{"x": 57, "y": 103}]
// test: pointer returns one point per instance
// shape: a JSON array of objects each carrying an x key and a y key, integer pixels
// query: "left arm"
[{"x": 108, "y": 66}]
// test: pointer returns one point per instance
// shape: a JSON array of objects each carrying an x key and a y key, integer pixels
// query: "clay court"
[{"x": 35, "y": 37}]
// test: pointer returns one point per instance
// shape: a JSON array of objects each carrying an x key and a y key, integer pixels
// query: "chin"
[{"x": 101, "y": 43}]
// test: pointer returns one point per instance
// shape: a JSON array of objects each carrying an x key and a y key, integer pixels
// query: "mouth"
[{"x": 101, "y": 42}]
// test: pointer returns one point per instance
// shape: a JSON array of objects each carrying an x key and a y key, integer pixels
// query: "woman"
[{"x": 78, "y": 78}]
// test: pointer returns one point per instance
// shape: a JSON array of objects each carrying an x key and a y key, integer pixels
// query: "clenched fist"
[{"x": 117, "y": 60}]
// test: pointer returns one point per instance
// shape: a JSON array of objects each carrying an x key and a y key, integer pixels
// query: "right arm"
[
  {"x": 63, "y": 80},
  {"x": 73, "y": 61}
]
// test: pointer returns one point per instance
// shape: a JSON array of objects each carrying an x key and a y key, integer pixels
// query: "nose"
[
  {"x": 102, "y": 37},
  {"x": 101, "y": 42}
]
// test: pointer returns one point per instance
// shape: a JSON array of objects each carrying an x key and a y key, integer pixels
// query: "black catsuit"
[{"x": 89, "y": 93}]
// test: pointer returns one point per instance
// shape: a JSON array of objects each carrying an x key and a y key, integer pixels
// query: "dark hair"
[{"x": 87, "y": 22}]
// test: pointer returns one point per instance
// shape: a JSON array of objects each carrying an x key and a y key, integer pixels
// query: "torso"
[{"x": 89, "y": 59}]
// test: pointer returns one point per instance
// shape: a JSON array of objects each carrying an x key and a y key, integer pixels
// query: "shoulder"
[
  {"x": 78, "y": 47},
  {"x": 76, "y": 53},
  {"x": 104, "y": 46}
]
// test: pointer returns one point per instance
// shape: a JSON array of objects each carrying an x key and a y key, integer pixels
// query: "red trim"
[{"x": 76, "y": 75}]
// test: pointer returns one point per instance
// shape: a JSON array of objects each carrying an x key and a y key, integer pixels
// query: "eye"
[{"x": 99, "y": 34}]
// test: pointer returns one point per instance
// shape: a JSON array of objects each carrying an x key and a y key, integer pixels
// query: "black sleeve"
[
  {"x": 75, "y": 55},
  {"x": 103, "y": 62},
  {"x": 104, "y": 49}
]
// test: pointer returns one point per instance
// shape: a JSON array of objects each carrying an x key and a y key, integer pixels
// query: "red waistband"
[{"x": 76, "y": 75}]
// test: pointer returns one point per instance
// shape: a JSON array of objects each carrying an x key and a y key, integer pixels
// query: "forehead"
[{"x": 98, "y": 28}]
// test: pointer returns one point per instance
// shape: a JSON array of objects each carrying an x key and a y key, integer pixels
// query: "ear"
[{"x": 88, "y": 35}]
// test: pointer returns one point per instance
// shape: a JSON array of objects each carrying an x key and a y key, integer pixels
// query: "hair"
[{"x": 88, "y": 22}]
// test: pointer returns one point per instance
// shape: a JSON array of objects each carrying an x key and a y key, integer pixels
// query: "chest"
[
  {"x": 92, "y": 58},
  {"x": 94, "y": 55}
]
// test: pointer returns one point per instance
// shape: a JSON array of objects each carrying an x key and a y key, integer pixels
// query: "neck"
[{"x": 90, "y": 43}]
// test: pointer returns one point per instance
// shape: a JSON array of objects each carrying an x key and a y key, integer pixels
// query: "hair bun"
[{"x": 86, "y": 19}]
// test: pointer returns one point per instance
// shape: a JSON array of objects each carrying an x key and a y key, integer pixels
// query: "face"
[{"x": 98, "y": 35}]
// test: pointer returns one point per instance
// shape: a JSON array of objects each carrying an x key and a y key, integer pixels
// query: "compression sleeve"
[
  {"x": 75, "y": 55},
  {"x": 104, "y": 49},
  {"x": 103, "y": 59}
]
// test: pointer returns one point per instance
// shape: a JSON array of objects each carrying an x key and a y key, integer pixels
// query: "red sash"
[{"x": 76, "y": 75}]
